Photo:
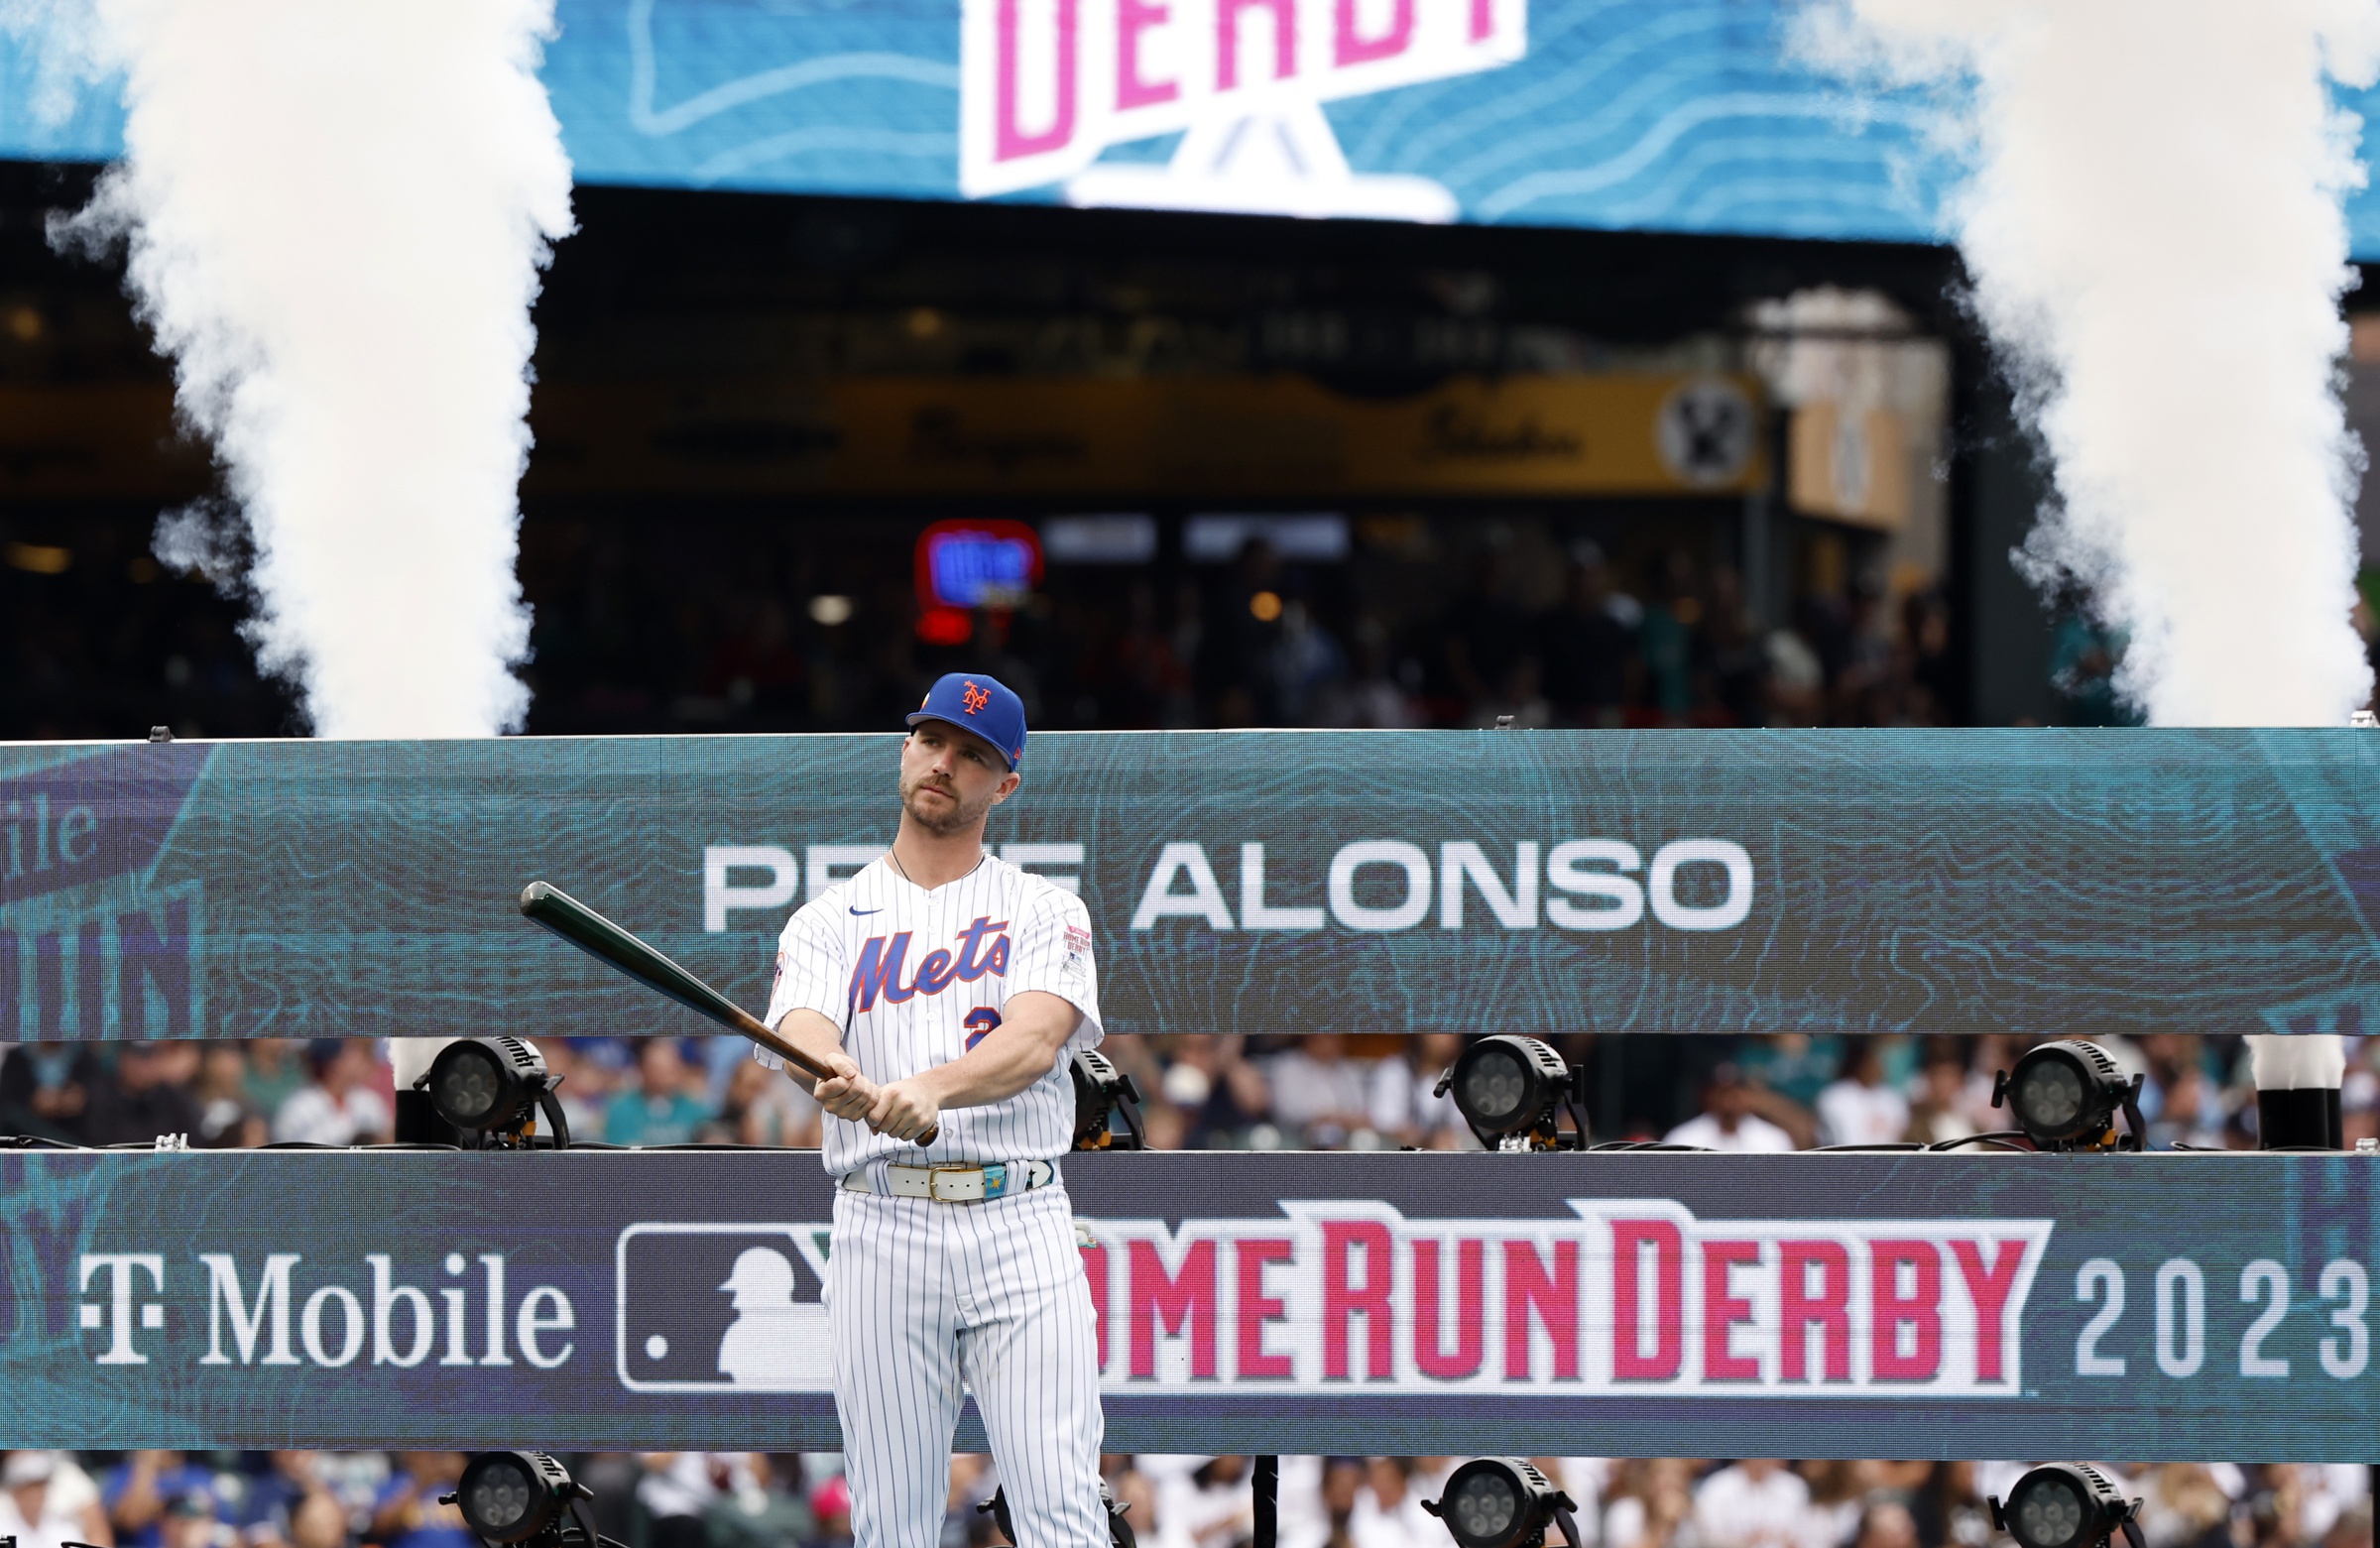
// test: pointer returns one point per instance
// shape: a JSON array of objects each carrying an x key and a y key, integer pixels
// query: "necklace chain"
[{"x": 893, "y": 855}]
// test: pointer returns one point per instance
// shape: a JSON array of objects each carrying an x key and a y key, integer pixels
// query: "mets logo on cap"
[{"x": 980, "y": 704}]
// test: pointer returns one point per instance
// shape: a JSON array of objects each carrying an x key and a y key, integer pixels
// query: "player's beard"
[{"x": 942, "y": 819}]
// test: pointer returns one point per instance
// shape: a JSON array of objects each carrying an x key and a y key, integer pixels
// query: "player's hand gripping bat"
[{"x": 580, "y": 925}]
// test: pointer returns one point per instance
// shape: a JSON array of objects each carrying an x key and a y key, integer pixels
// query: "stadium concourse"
[{"x": 754, "y": 1499}]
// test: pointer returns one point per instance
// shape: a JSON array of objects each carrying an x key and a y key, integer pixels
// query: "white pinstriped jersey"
[{"x": 915, "y": 977}]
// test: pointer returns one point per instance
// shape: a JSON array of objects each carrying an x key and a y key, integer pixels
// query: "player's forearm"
[
  {"x": 816, "y": 1036},
  {"x": 997, "y": 1068}
]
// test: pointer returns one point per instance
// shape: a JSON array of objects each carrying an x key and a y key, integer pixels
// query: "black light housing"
[
  {"x": 2063, "y": 1505},
  {"x": 1508, "y": 1089},
  {"x": 517, "y": 1496},
  {"x": 493, "y": 1088},
  {"x": 1119, "y": 1531},
  {"x": 1503, "y": 1502},
  {"x": 2065, "y": 1096},
  {"x": 1099, "y": 1088}
]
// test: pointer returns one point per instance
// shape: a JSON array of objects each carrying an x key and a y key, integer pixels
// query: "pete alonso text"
[{"x": 1370, "y": 885}]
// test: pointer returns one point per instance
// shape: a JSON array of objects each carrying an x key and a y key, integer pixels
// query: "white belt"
[{"x": 955, "y": 1184}]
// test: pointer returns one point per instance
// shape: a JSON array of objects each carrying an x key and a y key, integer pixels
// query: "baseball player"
[{"x": 948, "y": 990}]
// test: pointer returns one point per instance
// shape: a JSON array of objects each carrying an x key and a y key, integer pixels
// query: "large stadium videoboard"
[
  {"x": 2165, "y": 1306},
  {"x": 1677, "y": 115},
  {"x": 2027, "y": 882}
]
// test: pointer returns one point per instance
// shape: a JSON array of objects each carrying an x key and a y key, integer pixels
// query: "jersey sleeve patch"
[{"x": 1054, "y": 955}]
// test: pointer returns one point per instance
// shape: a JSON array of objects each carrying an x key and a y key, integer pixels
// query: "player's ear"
[{"x": 1007, "y": 787}]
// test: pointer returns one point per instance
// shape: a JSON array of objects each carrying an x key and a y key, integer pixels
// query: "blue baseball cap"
[{"x": 983, "y": 705}]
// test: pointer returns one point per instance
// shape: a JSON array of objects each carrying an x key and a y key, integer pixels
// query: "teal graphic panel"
[
  {"x": 2030, "y": 881},
  {"x": 1672, "y": 115}
]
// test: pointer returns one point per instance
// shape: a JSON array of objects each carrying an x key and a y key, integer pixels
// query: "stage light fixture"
[
  {"x": 493, "y": 1089},
  {"x": 2065, "y": 1096},
  {"x": 2063, "y": 1505},
  {"x": 1508, "y": 1089},
  {"x": 1099, "y": 1088},
  {"x": 1503, "y": 1502},
  {"x": 1120, "y": 1530},
  {"x": 522, "y": 1497}
]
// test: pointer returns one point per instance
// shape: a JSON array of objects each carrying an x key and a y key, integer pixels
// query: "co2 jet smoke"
[
  {"x": 2152, "y": 220},
  {"x": 336, "y": 217}
]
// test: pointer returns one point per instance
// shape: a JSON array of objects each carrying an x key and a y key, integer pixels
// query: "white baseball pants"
[{"x": 923, "y": 1295}]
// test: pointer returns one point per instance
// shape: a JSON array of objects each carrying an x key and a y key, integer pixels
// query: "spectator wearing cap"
[
  {"x": 263, "y": 1509},
  {"x": 657, "y": 1109},
  {"x": 1728, "y": 1123},
  {"x": 1862, "y": 1108},
  {"x": 226, "y": 1118},
  {"x": 276, "y": 1071},
  {"x": 145, "y": 1097},
  {"x": 1940, "y": 1111},
  {"x": 407, "y": 1513},
  {"x": 44, "y": 1089},
  {"x": 137, "y": 1490},
  {"x": 338, "y": 1105},
  {"x": 193, "y": 1522},
  {"x": 38, "y": 1513}
]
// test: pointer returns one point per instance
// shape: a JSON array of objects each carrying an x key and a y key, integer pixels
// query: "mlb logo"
[{"x": 723, "y": 1308}]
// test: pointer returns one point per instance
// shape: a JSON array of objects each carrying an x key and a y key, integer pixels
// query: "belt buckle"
[{"x": 933, "y": 1184}]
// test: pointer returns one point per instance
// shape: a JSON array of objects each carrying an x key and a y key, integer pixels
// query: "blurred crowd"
[
  {"x": 762, "y": 626},
  {"x": 750, "y": 1499},
  {"x": 756, "y": 627},
  {"x": 1553, "y": 636},
  {"x": 1323, "y": 1091}
]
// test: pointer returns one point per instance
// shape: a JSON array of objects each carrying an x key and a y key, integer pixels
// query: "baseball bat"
[{"x": 543, "y": 904}]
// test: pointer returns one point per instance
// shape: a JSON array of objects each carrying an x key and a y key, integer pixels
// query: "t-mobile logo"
[{"x": 116, "y": 1312}]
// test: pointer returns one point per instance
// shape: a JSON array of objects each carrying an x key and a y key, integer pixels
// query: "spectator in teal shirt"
[{"x": 657, "y": 1109}]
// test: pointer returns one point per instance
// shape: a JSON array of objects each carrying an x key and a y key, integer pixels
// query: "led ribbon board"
[
  {"x": 1526, "y": 882},
  {"x": 1829, "y": 1305},
  {"x": 2030, "y": 881}
]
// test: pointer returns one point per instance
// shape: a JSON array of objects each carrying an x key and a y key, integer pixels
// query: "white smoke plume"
[
  {"x": 338, "y": 214},
  {"x": 2152, "y": 220}
]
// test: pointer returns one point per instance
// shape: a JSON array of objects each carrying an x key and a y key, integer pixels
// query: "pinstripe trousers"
[{"x": 922, "y": 1296}]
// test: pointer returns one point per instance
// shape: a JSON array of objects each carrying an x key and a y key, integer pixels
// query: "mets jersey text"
[{"x": 916, "y": 978}]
